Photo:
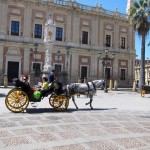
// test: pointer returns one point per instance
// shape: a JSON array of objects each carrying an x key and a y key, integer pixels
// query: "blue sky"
[{"x": 121, "y": 5}]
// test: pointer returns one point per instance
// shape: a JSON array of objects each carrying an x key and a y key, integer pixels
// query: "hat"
[{"x": 25, "y": 76}]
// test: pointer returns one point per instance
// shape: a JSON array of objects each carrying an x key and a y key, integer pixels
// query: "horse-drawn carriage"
[
  {"x": 145, "y": 90},
  {"x": 17, "y": 99}
]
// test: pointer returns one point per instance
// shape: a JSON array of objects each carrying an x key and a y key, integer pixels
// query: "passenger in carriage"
[{"x": 45, "y": 83}]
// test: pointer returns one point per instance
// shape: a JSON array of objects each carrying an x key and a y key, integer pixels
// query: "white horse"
[{"x": 88, "y": 89}]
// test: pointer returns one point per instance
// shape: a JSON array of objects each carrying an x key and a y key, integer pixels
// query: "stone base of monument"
[
  {"x": 35, "y": 78},
  {"x": 63, "y": 77}
]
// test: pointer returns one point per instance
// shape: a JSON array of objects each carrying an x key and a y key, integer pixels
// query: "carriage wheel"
[
  {"x": 17, "y": 100},
  {"x": 60, "y": 103},
  {"x": 51, "y": 99},
  {"x": 143, "y": 92}
]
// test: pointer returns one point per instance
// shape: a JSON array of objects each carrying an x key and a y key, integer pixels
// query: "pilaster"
[
  {"x": 1, "y": 59},
  {"x": 27, "y": 22},
  {"x": 115, "y": 68},
  {"x": 94, "y": 33},
  {"x": 68, "y": 33},
  {"x": 76, "y": 28},
  {"x": 3, "y": 17},
  {"x": 26, "y": 60},
  {"x": 75, "y": 64},
  {"x": 101, "y": 32},
  {"x": 100, "y": 69},
  {"x": 116, "y": 35}
]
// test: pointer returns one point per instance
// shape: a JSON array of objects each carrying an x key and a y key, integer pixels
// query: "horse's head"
[{"x": 99, "y": 83}]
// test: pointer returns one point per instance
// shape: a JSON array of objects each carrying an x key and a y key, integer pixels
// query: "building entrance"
[
  {"x": 12, "y": 70},
  {"x": 83, "y": 72}
]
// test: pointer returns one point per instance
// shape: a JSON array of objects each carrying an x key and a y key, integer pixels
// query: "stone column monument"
[{"x": 49, "y": 40}]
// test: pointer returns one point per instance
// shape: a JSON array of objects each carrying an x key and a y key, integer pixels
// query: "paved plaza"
[{"x": 120, "y": 120}]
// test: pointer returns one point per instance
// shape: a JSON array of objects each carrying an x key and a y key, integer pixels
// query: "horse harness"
[{"x": 87, "y": 83}]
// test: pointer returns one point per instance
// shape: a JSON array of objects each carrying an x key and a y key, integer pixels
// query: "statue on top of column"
[{"x": 49, "y": 32}]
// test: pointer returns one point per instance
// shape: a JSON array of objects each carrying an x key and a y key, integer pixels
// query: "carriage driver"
[{"x": 25, "y": 80}]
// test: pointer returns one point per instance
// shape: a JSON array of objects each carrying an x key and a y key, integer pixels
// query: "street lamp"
[
  {"x": 34, "y": 51},
  {"x": 105, "y": 64},
  {"x": 67, "y": 54},
  {"x": 58, "y": 58}
]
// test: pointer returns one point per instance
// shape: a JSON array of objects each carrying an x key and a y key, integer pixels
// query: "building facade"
[
  {"x": 82, "y": 32},
  {"x": 147, "y": 71}
]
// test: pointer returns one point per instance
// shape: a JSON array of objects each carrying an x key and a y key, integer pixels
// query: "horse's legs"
[
  {"x": 90, "y": 102},
  {"x": 91, "y": 99},
  {"x": 78, "y": 95},
  {"x": 73, "y": 99}
]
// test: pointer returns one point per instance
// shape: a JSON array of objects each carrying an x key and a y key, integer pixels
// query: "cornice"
[
  {"x": 4, "y": 1},
  {"x": 72, "y": 10}
]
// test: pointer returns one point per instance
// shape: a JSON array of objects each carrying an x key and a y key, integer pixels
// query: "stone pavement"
[{"x": 120, "y": 120}]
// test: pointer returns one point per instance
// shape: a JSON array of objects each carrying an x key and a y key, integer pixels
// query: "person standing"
[{"x": 51, "y": 76}]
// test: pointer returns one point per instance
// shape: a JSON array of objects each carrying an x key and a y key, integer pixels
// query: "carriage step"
[{"x": 33, "y": 104}]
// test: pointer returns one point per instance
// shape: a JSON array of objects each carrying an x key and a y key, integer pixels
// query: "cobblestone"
[{"x": 112, "y": 125}]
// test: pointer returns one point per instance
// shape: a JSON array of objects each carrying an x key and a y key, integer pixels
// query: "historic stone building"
[
  {"x": 82, "y": 32},
  {"x": 147, "y": 71}
]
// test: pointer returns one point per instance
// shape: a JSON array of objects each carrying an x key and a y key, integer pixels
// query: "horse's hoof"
[
  {"x": 77, "y": 108},
  {"x": 91, "y": 107}
]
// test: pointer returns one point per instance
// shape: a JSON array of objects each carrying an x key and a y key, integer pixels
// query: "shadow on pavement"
[
  {"x": 51, "y": 110},
  {"x": 147, "y": 117},
  {"x": 45, "y": 110},
  {"x": 2, "y": 95},
  {"x": 95, "y": 109}
]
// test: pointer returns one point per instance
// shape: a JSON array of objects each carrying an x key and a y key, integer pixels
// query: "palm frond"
[
  {"x": 136, "y": 5},
  {"x": 141, "y": 2}
]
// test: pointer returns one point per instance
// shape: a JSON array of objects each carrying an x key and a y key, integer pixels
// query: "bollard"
[
  {"x": 115, "y": 85},
  {"x": 110, "y": 84},
  {"x": 134, "y": 86},
  {"x": 85, "y": 80},
  {"x": 5, "y": 81},
  {"x": 79, "y": 80}
]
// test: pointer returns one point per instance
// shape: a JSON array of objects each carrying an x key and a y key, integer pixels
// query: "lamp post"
[
  {"x": 67, "y": 54},
  {"x": 34, "y": 51},
  {"x": 105, "y": 64},
  {"x": 58, "y": 58}
]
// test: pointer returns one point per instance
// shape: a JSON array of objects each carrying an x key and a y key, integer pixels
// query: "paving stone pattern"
[
  {"x": 113, "y": 134},
  {"x": 99, "y": 129}
]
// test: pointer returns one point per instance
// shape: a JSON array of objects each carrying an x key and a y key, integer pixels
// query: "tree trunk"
[{"x": 142, "y": 74}]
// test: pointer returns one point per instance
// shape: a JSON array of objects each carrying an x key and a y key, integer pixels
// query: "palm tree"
[{"x": 139, "y": 17}]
